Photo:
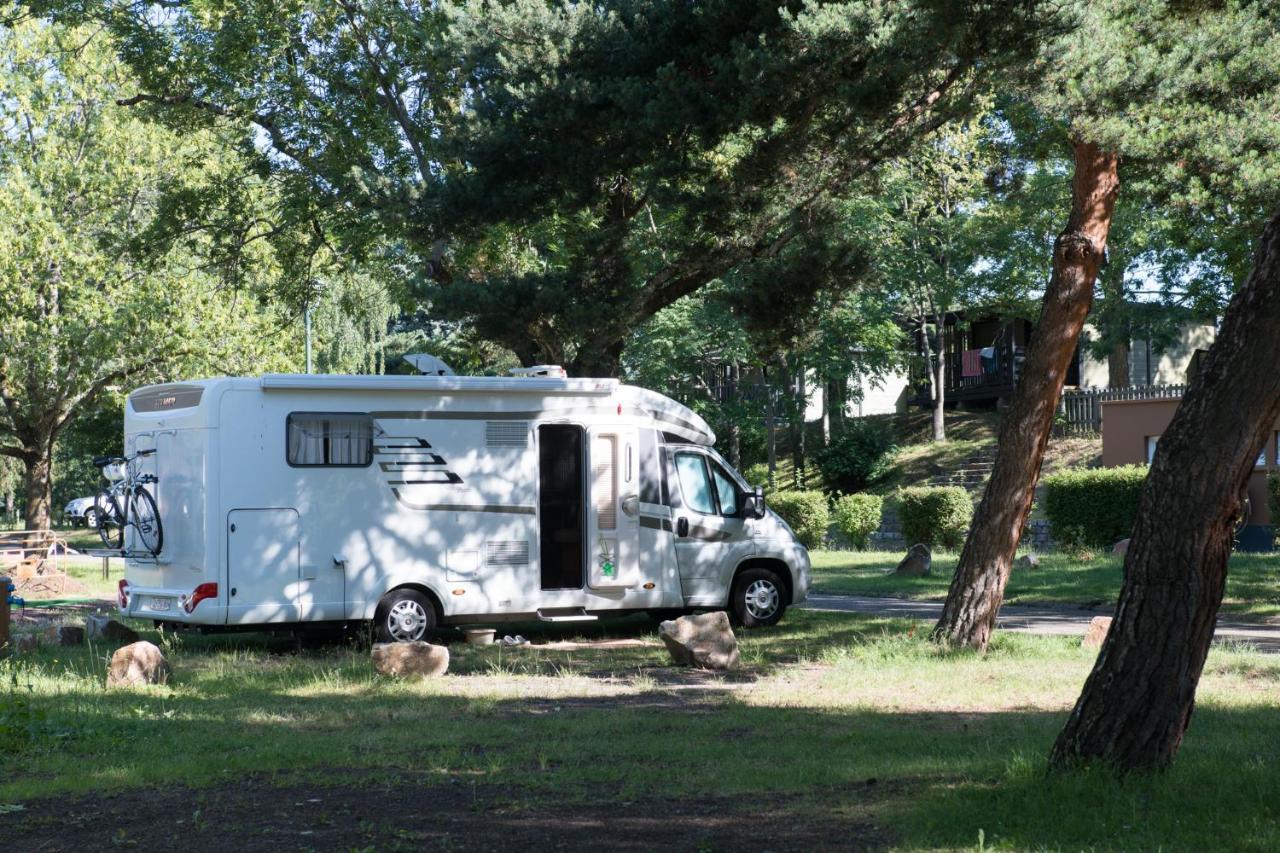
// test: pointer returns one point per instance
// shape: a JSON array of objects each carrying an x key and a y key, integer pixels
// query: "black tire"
[
  {"x": 90, "y": 518},
  {"x": 110, "y": 525},
  {"x": 145, "y": 518},
  {"x": 404, "y": 615},
  {"x": 758, "y": 599}
]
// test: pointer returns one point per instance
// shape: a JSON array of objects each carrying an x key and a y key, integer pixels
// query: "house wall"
[
  {"x": 1164, "y": 368},
  {"x": 1126, "y": 425},
  {"x": 885, "y": 395}
]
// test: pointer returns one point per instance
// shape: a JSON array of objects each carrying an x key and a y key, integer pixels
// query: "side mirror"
[{"x": 753, "y": 505}]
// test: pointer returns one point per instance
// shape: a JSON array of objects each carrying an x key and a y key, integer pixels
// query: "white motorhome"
[{"x": 416, "y": 501}]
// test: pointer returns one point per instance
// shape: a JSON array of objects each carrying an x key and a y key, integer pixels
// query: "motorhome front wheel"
[
  {"x": 404, "y": 615},
  {"x": 759, "y": 598}
]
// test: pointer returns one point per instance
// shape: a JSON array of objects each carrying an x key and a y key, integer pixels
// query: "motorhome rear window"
[{"x": 329, "y": 439}]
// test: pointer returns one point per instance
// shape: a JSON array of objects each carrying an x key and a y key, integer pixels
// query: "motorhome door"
[
  {"x": 613, "y": 515},
  {"x": 263, "y": 558}
]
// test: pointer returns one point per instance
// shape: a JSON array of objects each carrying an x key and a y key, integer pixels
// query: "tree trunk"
[
  {"x": 837, "y": 396},
  {"x": 770, "y": 430},
  {"x": 940, "y": 383},
  {"x": 38, "y": 479},
  {"x": 797, "y": 447},
  {"x": 735, "y": 426},
  {"x": 1137, "y": 703},
  {"x": 1115, "y": 322},
  {"x": 977, "y": 588},
  {"x": 1118, "y": 365}
]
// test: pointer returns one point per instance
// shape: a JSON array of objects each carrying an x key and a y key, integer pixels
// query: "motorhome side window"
[
  {"x": 329, "y": 439},
  {"x": 726, "y": 491}
]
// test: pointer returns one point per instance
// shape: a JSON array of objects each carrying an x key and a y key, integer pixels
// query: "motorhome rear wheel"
[{"x": 403, "y": 616}]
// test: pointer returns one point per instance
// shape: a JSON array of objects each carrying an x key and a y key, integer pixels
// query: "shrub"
[
  {"x": 806, "y": 512},
  {"x": 935, "y": 515},
  {"x": 858, "y": 516},
  {"x": 862, "y": 454},
  {"x": 757, "y": 474},
  {"x": 1093, "y": 506}
]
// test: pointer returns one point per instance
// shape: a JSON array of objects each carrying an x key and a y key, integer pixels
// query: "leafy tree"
[
  {"x": 80, "y": 311},
  {"x": 565, "y": 171}
]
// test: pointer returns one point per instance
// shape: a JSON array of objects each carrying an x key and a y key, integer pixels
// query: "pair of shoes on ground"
[{"x": 517, "y": 640}]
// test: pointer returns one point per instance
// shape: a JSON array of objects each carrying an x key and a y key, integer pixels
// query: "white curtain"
[{"x": 330, "y": 439}]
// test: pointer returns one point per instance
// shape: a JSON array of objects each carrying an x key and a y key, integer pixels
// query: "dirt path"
[
  {"x": 403, "y": 814},
  {"x": 1069, "y": 620}
]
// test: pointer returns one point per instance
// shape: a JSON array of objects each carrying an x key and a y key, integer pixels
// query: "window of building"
[
  {"x": 332, "y": 439},
  {"x": 1152, "y": 441}
]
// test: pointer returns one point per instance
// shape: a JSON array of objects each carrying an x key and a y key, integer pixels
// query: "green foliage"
[
  {"x": 1093, "y": 506},
  {"x": 858, "y": 516},
  {"x": 806, "y": 512},
  {"x": 85, "y": 303},
  {"x": 1273, "y": 502},
  {"x": 859, "y": 456},
  {"x": 935, "y": 516},
  {"x": 757, "y": 475}
]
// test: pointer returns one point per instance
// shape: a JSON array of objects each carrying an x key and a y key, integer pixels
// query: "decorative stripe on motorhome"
[{"x": 514, "y": 509}]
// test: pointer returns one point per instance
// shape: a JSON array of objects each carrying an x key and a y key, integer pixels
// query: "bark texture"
[
  {"x": 1137, "y": 703},
  {"x": 977, "y": 588}
]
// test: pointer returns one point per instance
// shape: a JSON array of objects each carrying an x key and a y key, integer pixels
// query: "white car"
[{"x": 82, "y": 512}]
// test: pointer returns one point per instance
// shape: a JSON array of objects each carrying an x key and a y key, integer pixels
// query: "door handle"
[{"x": 682, "y": 527}]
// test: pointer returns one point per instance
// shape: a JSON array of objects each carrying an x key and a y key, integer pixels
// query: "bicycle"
[{"x": 126, "y": 502}]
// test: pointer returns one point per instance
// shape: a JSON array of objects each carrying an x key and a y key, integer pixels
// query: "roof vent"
[
  {"x": 552, "y": 371},
  {"x": 428, "y": 365}
]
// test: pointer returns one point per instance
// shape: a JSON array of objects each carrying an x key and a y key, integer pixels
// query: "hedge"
[
  {"x": 1093, "y": 506},
  {"x": 861, "y": 454},
  {"x": 806, "y": 512},
  {"x": 858, "y": 516},
  {"x": 935, "y": 515}
]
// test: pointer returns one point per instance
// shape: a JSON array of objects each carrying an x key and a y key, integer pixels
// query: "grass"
[
  {"x": 834, "y": 714},
  {"x": 1253, "y": 580}
]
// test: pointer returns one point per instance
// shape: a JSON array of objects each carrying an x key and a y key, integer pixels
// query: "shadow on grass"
[{"x": 605, "y": 728}]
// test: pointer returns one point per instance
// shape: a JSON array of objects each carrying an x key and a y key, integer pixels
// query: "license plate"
[{"x": 160, "y": 604}]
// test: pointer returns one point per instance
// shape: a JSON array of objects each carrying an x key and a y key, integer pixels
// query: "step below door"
[{"x": 263, "y": 562}]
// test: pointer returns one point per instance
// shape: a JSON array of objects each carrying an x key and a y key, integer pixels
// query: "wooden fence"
[{"x": 1080, "y": 412}]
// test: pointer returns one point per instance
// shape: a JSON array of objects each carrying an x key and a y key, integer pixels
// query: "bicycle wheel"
[
  {"x": 110, "y": 524},
  {"x": 145, "y": 519}
]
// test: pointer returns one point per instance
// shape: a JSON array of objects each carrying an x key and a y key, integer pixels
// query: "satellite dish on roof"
[{"x": 429, "y": 365}]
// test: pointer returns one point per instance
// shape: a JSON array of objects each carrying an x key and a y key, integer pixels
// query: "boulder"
[
  {"x": 105, "y": 628},
  {"x": 137, "y": 664},
  {"x": 1027, "y": 561},
  {"x": 704, "y": 640},
  {"x": 917, "y": 563},
  {"x": 23, "y": 643},
  {"x": 1120, "y": 548},
  {"x": 1097, "y": 632},
  {"x": 404, "y": 660}
]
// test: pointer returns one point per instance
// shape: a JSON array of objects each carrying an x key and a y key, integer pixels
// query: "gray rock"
[
  {"x": 705, "y": 640},
  {"x": 404, "y": 660},
  {"x": 23, "y": 643},
  {"x": 1097, "y": 632},
  {"x": 1120, "y": 548},
  {"x": 109, "y": 630},
  {"x": 917, "y": 563},
  {"x": 1027, "y": 561},
  {"x": 136, "y": 665}
]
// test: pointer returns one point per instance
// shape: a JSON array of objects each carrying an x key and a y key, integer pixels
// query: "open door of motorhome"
[{"x": 613, "y": 516}]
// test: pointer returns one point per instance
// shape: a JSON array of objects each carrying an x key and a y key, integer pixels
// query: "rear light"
[
  {"x": 122, "y": 594},
  {"x": 199, "y": 594}
]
